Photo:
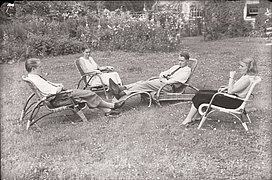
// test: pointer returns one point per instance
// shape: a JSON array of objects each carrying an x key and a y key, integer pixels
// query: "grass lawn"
[{"x": 144, "y": 143}]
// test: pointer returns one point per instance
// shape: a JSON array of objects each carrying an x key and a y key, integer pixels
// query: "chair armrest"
[
  {"x": 223, "y": 89},
  {"x": 228, "y": 95},
  {"x": 91, "y": 73},
  {"x": 106, "y": 68},
  {"x": 224, "y": 94},
  {"x": 152, "y": 78},
  {"x": 163, "y": 86}
]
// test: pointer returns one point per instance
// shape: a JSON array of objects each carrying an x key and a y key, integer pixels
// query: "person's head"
[
  {"x": 248, "y": 66},
  {"x": 32, "y": 64},
  {"x": 183, "y": 59},
  {"x": 86, "y": 52}
]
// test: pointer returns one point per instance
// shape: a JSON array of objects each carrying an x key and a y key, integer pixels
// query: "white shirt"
[
  {"x": 88, "y": 65},
  {"x": 244, "y": 92},
  {"x": 46, "y": 87},
  {"x": 180, "y": 75}
]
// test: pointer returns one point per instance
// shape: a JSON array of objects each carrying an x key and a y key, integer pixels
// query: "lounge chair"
[
  {"x": 33, "y": 108},
  {"x": 85, "y": 81},
  {"x": 178, "y": 93},
  {"x": 207, "y": 108}
]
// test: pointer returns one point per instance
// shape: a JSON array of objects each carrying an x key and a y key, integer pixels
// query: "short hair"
[
  {"x": 185, "y": 55},
  {"x": 86, "y": 48},
  {"x": 251, "y": 65},
  {"x": 31, "y": 63}
]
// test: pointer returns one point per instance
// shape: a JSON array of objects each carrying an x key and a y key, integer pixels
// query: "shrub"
[
  {"x": 46, "y": 45},
  {"x": 224, "y": 19}
]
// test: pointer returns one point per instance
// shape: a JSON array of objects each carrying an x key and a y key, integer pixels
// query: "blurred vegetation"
[{"x": 31, "y": 29}]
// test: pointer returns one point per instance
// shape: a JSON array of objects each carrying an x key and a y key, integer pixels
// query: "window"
[
  {"x": 252, "y": 9},
  {"x": 195, "y": 12}
]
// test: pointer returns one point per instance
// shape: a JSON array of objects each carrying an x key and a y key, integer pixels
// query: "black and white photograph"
[{"x": 135, "y": 90}]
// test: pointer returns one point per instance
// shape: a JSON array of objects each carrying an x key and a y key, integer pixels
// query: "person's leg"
[
  {"x": 104, "y": 104},
  {"x": 202, "y": 96},
  {"x": 190, "y": 115},
  {"x": 109, "y": 108},
  {"x": 144, "y": 86},
  {"x": 94, "y": 101}
]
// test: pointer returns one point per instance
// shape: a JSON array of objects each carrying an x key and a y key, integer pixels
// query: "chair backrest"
[
  {"x": 62, "y": 100},
  {"x": 254, "y": 82},
  {"x": 192, "y": 64},
  {"x": 37, "y": 92},
  {"x": 77, "y": 63}
]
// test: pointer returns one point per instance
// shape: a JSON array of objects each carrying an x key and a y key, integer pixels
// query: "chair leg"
[
  {"x": 82, "y": 116},
  {"x": 28, "y": 124},
  {"x": 246, "y": 114},
  {"x": 245, "y": 126},
  {"x": 202, "y": 121},
  {"x": 22, "y": 115},
  {"x": 243, "y": 122}
]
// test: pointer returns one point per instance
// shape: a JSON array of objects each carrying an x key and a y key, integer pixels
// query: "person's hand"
[
  {"x": 223, "y": 89},
  {"x": 232, "y": 73},
  {"x": 110, "y": 68},
  {"x": 97, "y": 72}
]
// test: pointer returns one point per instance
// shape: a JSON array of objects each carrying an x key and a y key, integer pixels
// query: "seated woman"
[
  {"x": 177, "y": 73},
  {"x": 33, "y": 67},
  {"x": 88, "y": 65},
  {"x": 248, "y": 70}
]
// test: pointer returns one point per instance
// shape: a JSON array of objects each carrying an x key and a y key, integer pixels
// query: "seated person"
[
  {"x": 88, "y": 65},
  {"x": 177, "y": 73},
  {"x": 248, "y": 70},
  {"x": 33, "y": 67}
]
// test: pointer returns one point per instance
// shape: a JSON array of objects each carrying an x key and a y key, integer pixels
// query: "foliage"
[
  {"x": 264, "y": 18},
  {"x": 116, "y": 29},
  {"x": 46, "y": 28},
  {"x": 224, "y": 18}
]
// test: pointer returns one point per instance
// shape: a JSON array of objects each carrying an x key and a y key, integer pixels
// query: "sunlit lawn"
[{"x": 144, "y": 143}]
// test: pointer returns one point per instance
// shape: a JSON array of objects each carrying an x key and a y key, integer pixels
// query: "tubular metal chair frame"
[
  {"x": 143, "y": 94},
  {"x": 83, "y": 79},
  {"x": 150, "y": 97},
  {"x": 179, "y": 93},
  {"x": 45, "y": 101},
  {"x": 206, "y": 109}
]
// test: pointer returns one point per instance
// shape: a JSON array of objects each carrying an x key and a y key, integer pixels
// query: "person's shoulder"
[
  {"x": 32, "y": 75},
  {"x": 175, "y": 66},
  {"x": 246, "y": 78},
  {"x": 187, "y": 68}
]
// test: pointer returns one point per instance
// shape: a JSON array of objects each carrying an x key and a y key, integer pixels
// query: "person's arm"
[
  {"x": 240, "y": 85},
  {"x": 94, "y": 64},
  {"x": 46, "y": 87},
  {"x": 180, "y": 76},
  {"x": 166, "y": 73}
]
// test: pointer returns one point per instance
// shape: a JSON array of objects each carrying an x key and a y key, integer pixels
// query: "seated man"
[
  {"x": 88, "y": 65},
  {"x": 33, "y": 67},
  {"x": 177, "y": 73}
]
